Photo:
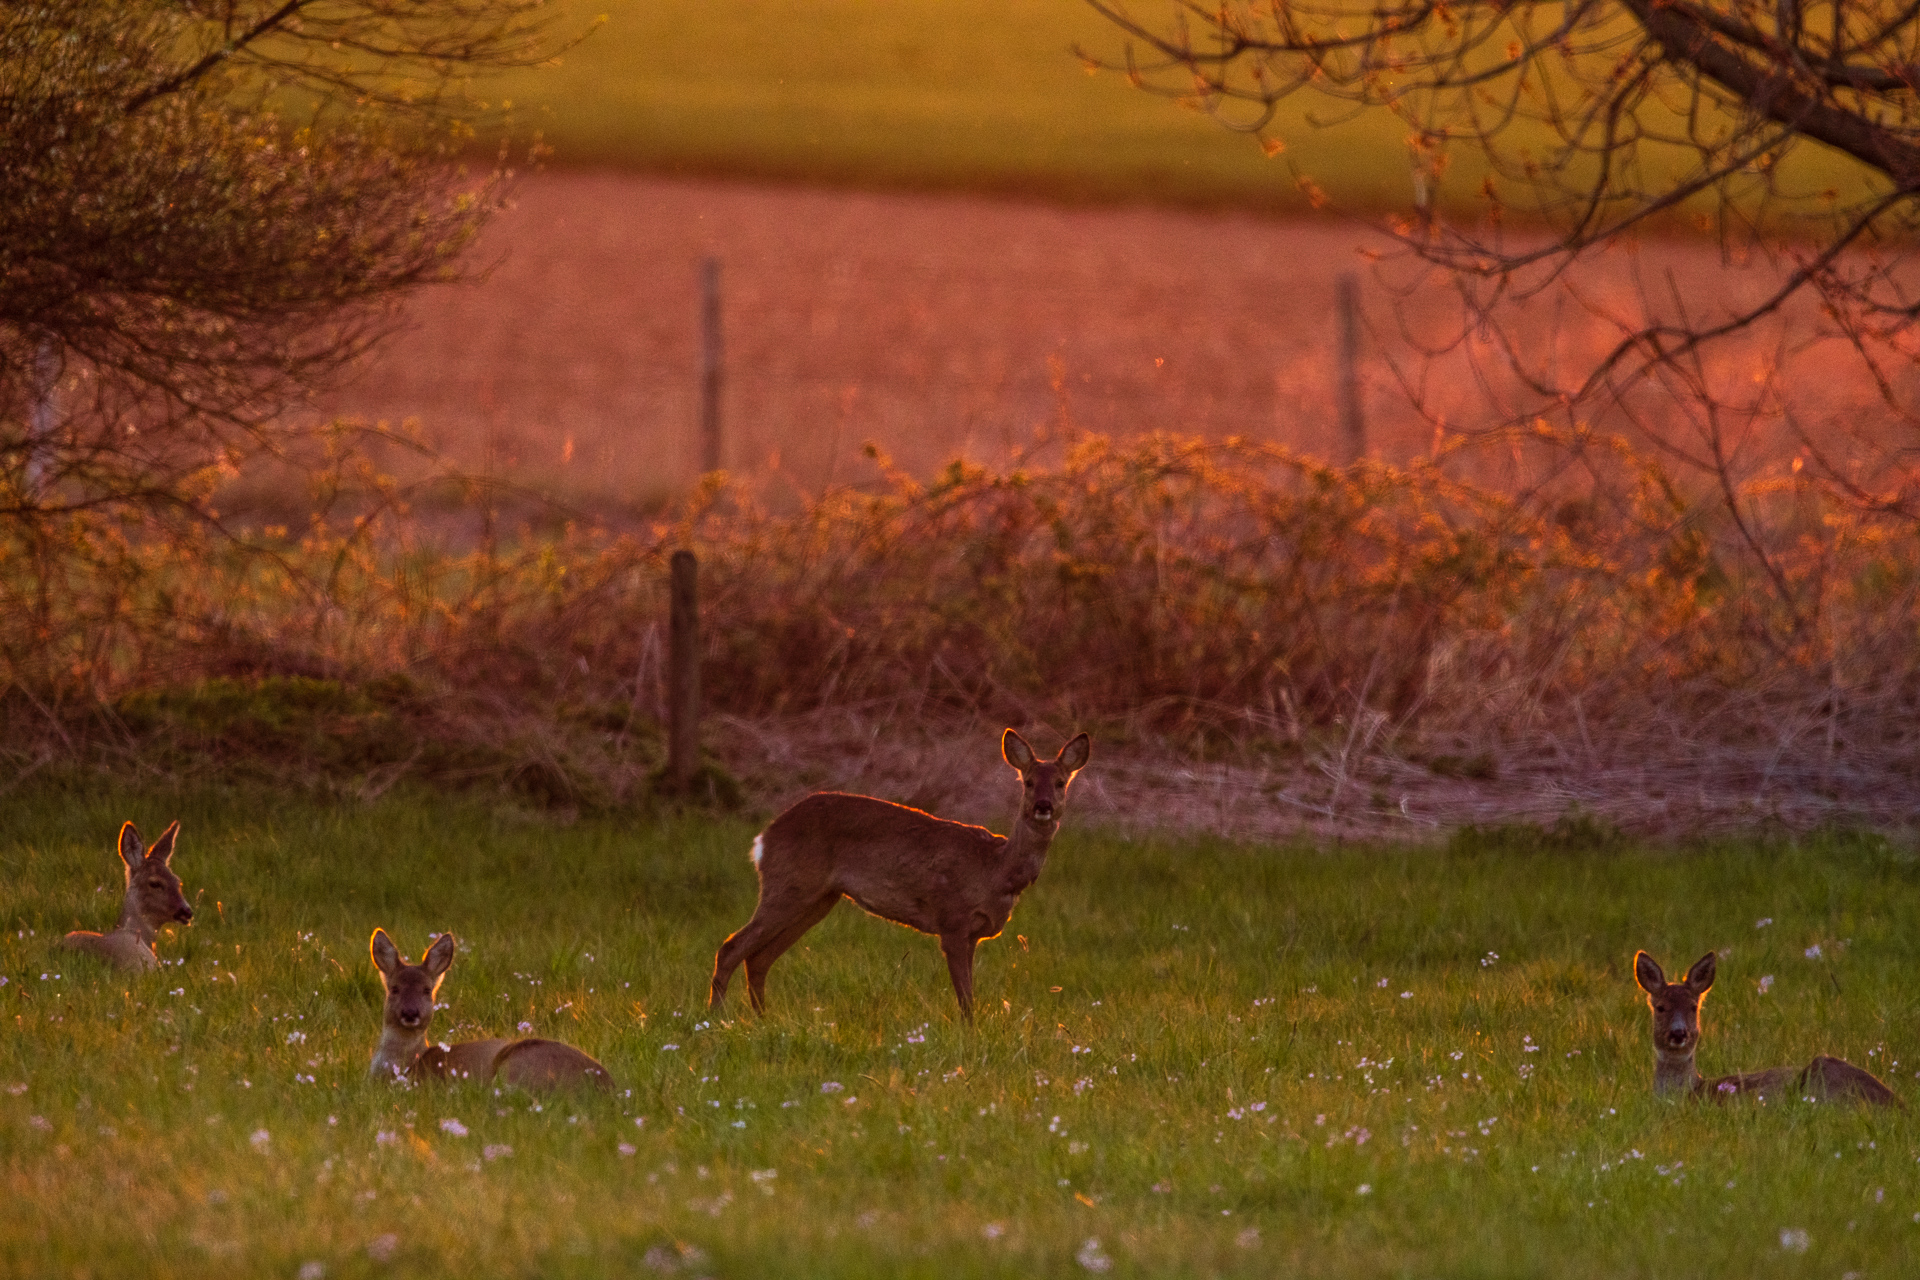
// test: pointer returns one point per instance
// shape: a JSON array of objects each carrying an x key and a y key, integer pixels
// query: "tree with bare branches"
[
  {"x": 205, "y": 206},
  {"x": 1788, "y": 130}
]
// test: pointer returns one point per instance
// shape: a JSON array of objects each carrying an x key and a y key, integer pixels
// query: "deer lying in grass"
[
  {"x": 153, "y": 899},
  {"x": 1676, "y": 1034},
  {"x": 532, "y": 1064},
  {"x": 954, "y": 881}
]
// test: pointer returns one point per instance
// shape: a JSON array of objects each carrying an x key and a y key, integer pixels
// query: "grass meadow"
[
  {"x": 977, "y": 94},
  {"x": 980, "y": 95},
  {"x": 1193, "y": 1058}
]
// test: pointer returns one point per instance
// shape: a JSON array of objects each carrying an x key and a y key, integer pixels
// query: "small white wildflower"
[
  {"x": 385, "y": 1138},
  {"x": 496, "y": 1151},
  {"x": 668, "y": 1048},
  {"x": 1381, "y": 983},
  {"x": 1812, "y": 953},
  {"x": 313, "y": 1271},
  {"x": 1364, "y": 1189},
  {"x": 626, "y": 1149},
  {"x": 1766, "y": 983},
  {"x": 994, "y": 1230},
  {"x": 1090, "y": 1257},
  {"x": 1763, "y": 922},
  {"x": 260, "y": 1138},
  {"x": 525, "y": 1027},
  {"x": 1794, "y": 1240},
  {"x": 832, "y": 1086},
  {"x": 454, "y": 1127},
  {"x": 382, "y": 1247},
  {"x": 1248, "y": 1239}
]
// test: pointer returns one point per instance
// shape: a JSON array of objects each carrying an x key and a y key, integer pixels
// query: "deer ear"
[
  {"x": 1700, "y": 977},
  {"x": 1648, "y": 973},
  {"x": 132, "y": 850},
  {"x": 386, "y": 956},
  {"x": 1073, "y": 756},
  {"x": 439, "y": 957},
  {"x": 1015, "y": 751},
  {"x": 163, "y": 847}
]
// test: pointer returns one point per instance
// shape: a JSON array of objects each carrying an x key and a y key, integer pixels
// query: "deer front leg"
[{"x": 959, "y": 949}]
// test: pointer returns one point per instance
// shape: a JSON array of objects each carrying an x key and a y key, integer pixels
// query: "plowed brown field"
[{"x": 939, "y": 325}]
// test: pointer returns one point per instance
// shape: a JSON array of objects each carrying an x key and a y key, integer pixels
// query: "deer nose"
[
  {"x": 409, "y": 1018},
  {"x": 1043, "y": 811},
  {"x": 184, "y": 914},
  {"x": 1676, "y": 1036}
]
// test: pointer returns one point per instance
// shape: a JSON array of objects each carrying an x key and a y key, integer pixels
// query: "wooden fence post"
[
  {"x": 712, "y": 366},
  {"x": 683, "y": 660},
  {"x": 1353, "y": 422}
]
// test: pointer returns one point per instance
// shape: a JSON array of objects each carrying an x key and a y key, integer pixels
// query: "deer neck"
[
  {"x": 397, "y": 1049},
  {"x": 1674, "y": 1072},
  {"x": 131, "y": 921},
  {"x": 1026, "y": 850}
]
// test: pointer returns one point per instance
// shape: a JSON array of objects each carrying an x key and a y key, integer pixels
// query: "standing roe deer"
[
  {"x": 531, "y": 1064},
  {"x": 952, "y": 880},
  {"x": 1676, "y": 1034},
  {"x": 153, "y": 899}
]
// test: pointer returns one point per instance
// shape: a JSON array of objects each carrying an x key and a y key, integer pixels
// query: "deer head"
[
  {"x": 1676, "y": 1017},
  {"x": 153, "y": 891},
  {"x": 1044, "y": 782},
  {"x": 411, "y": 989}
]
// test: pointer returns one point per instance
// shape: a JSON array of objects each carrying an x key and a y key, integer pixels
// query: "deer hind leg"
[
  {"x": 959, "y": 949},
  {"x": 762, "y": 957}
]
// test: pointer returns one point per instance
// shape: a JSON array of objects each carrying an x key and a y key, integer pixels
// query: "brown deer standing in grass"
[
  {"x": 532, "y": 1064},
  {"x": 952, "y": 880},
  {"x": 1676, "y": 1034},
  {"x": 153, "y": 899}
]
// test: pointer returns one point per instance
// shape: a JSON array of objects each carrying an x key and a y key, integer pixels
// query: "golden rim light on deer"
[
  {"x": 1676, "y": 1036},
  {"x": 529, "y": 1063},
  {"x": 955, "y": 881},
  {"x": 153, "y": 900}
]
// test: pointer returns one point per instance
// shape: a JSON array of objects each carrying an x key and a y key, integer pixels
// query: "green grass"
[
  {"x": 1201, "y": 1056},
  {"x": 981, "y": 95}
]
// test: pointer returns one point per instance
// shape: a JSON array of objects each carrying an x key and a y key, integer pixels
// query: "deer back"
[{"x": 122, "y": 948}]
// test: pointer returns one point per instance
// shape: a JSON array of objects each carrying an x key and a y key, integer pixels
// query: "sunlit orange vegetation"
[{"x": 1151, "y": 585}]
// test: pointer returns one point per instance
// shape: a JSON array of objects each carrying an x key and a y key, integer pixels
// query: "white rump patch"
[{"x": 758, "y": 848}]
